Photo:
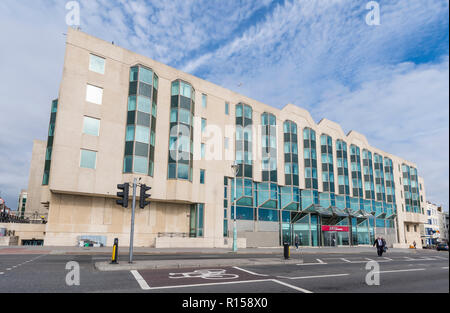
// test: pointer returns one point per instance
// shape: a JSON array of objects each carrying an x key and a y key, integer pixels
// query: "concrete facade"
[{"x": 82, "y": 200}]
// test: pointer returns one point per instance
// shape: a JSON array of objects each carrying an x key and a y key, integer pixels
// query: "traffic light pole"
[{"x": 133, "y": 206}]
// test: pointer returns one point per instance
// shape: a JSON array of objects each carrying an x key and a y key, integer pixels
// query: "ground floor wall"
[
  {"x": 100, "y": 219},
  {"x": 23, "y": 232}
]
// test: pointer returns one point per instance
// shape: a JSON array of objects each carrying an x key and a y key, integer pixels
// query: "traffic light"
[
  {"x": 144, "y": 196},
  {"x": 123, "y": 194}
]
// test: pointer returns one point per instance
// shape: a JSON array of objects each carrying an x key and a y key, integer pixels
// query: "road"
[{"x": 319, "y": 273}]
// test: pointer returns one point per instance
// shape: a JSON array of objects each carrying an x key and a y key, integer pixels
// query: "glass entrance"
[{"x": 329, "y": 239}]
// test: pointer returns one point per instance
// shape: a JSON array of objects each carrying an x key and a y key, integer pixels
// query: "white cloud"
[{"x": 320, "y": 55}]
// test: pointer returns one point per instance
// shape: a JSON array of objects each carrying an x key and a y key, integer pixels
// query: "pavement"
[{"x": 341, "y": 271}]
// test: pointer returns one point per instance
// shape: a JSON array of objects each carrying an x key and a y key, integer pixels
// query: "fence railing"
[{"x": 171, "y": 235}]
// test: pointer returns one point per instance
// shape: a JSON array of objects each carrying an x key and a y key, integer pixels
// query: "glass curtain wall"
[
  {"x": 326, "y": 146},
  {"x": 141, "y": 121},
  {"x": 368, "y": 175},
  {"x": 355, "y": 160},
  {"x": 181, "y": 139},
  {"x": 290, "y": 153},
  {"x": 244, "y": 138},
  {"x": 51, "y": 136},
  {"x": 310, "y": 158},
  {"x": 342, "y": 168},
  {"x": 269, "y": 148},
  {"x": 379, "y": 178}
]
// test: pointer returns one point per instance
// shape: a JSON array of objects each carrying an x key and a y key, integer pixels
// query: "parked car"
[{"x": 442, "y": 246}]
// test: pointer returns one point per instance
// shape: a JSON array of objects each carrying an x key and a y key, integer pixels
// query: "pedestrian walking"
[
  {"x": 381, "y": 244},
  {"x": 414, "y": 244},
  {"x": 296, "y": 242}
]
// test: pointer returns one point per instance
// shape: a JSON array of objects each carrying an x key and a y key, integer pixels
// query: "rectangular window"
[
  {"x": 226, "y": 142},
  {"x": 203, "y": 151},
  {"x": 97, "y": 64},
  {"x": 204, "y": 100},
  {"x": 203, "y": 124},
  {"x": 140, "y": 165},
  {"x": 94, "y": 94},
  {"x": 88, "y": 159},
  {"x": 91, "y": 126},
  {"x": 202, "y": 176},
  {"x": 143, "y": 134},
  {"x": 227, "y": 108}
]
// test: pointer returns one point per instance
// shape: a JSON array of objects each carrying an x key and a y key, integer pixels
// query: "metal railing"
[{"x": 171, "y": 235}]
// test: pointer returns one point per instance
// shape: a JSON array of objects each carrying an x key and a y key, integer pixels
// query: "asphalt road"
[{"x": 320, "y": 273}]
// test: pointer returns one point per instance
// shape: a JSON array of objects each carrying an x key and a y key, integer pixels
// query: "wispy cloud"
[{"x": 320, "y": 55}]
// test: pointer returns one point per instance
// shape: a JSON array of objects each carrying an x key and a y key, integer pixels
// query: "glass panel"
[
  {"x": 175, "y": 88},
  {"x": 97, "y": 64},
  {"x": 134, "y": 74},
  {"x": 144, "y": 104},
  {"x": 130, "y": 133},
  {"x": 91, "y": 126},
  {"x": 143, "y": 134},
  {"x": 145, "y": 75},
  {"x": 94, "y": 94},
  {"x": 140, "y": 165},
  {"x": 88, "y": 159}
]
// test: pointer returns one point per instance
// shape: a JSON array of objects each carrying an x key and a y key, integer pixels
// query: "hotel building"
[{"x": 120, "y": 115}]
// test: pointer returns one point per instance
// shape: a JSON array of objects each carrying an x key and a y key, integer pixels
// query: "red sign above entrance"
[{"x": 335, "y": 228}]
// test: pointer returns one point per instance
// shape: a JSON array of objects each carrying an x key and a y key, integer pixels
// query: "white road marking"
[
  {"x": 291, "y": 286},
  {"x": 312, "y": 264},
  {"x": 212, "y": 284},
  {"x": 445, "y": 268},
  {"x": 256, "y": 274},
  {"x": 345, "y": 260},
  {"x": 440, "y": 257},
  {"x": 396, "y": 271},
  {"x": 320, "y": 261},
  {"x": 8, "y": 269},
  {"x": 1, "y": 273},
  {"x": 141, "y": 281},
  {"x": 317, "y": 276},
  {"x": 389, "y": 259}
]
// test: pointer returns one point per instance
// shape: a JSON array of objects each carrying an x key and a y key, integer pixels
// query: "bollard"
[
  {"x": 286, "y": 251},
  {"x": 115, "y": 252}
]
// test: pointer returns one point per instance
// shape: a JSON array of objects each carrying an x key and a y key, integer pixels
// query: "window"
[
  {"x": 227, "y": 108},
  {"x": 91, "y": 126},
  {"x": 94, "y": 94},
  {"x": 203, "y": 151},
  {"x": 203, "y": 124},
  {"x": 204, "y": 100},
  {"x": 407, "y": 228},
  {"x": 97, "y": 64},
  {"x": 88, "y": 159},
  {"x": 202, "y": 176},
  {"x": 226, "y": 142}
]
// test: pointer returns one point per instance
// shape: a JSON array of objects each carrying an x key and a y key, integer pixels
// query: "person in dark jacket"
[{"x": 381, "y": 244}]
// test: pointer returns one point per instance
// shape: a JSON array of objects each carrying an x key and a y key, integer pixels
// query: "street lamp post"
[{"x": 235, "y": 168}]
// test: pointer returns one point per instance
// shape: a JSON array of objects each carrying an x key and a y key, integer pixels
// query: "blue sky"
[{"x": 389, "y": 82}]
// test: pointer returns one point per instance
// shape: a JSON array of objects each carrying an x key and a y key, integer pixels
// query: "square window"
[
  {"x": 140, "y": 165},
  {"x": 97, "y": 64},
  {"x": 94, "y": 94},
  {"x": 88, "y": 159},
  {"x": 91, "y": 126},
  {"x": 143, "y": 134}
]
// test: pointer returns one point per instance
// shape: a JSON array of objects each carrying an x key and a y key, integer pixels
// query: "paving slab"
[{"x": 172, "y": 264}]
